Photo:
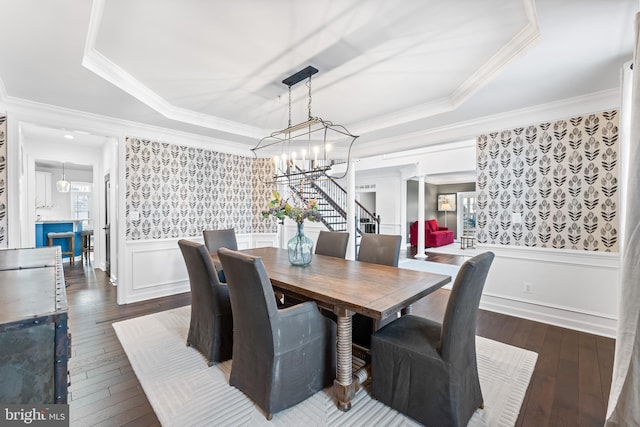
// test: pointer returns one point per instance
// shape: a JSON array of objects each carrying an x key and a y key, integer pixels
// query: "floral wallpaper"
[
  {"x": 3, "y": 183},
  {"x": 179, "y": 191},
  {"x": 551, "y": 185}
]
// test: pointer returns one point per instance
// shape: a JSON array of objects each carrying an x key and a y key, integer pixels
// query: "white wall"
[
  {"x": 572, "y": 289},
  {"x": 388, "y": 198},
  {"x": 155, "y": 268}
]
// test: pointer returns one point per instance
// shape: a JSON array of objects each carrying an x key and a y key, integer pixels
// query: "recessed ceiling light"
[{"x": 68, "y": 136}]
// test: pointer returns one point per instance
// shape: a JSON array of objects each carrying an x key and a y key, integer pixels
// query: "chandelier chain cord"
[
  {"x": 309, "y": 103},
  {"x": 289, "y": 106}
]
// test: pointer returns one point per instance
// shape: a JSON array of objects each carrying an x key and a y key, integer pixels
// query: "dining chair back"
[
  {"x": 211, "y": 325},
  {"x": 380, "y": 249},
  {"x": 280, "y": 357},
  {"x": 332, "y": 243},
  {"x": 216, "y": 239},
  {"x": 428, "y": 370}
]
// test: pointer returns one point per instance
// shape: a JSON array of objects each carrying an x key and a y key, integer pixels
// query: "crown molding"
[
  {"x": 99, "y": 64},
  {"x": 59, "y": 117},
  {"x": 525, "y": 39},
  {"x": 103, "y": 67},
  {"x": 580, "y": 105}
]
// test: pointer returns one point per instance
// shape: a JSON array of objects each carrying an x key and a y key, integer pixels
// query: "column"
[
  {"x": 421, "y": 244},
  {"x": 351, "y": 211}
]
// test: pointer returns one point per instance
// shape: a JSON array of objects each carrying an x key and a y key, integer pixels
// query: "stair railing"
[{"x": 328, "y": 191}]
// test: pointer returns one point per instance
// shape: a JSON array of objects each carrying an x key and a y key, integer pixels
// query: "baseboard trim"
[{"x": 592, "y": 323}]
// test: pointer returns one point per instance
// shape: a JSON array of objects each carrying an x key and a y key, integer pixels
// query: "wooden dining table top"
[{"x": 373, "y": 290}]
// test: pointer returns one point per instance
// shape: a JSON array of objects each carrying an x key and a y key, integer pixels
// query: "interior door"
[
  {"x": 467, "y": 213},
  {"x": 107, "y": 224}
]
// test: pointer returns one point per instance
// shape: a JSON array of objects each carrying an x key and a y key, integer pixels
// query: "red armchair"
[{"x": 434, "y": 234}]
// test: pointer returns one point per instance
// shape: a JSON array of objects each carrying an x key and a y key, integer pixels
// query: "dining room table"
[{"x": 346, "y": 287}]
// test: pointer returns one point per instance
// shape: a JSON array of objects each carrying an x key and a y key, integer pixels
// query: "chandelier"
[{"x": 308, "y": 150}]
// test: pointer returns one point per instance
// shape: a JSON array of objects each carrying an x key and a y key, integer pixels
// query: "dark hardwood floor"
[
  {"x": 104, "y": 390},
  {"x": 569, "y": 387}
]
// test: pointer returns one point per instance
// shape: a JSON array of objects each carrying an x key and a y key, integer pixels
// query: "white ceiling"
[{"x": 386, "y": 67}]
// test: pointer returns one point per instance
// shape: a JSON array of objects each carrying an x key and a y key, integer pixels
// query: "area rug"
[
  {"x": 183, "y": 391},
  {"x": 455, "y": 249}
]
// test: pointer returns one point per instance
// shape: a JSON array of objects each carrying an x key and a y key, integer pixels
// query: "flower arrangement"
[{"x": 281, "y": 208}]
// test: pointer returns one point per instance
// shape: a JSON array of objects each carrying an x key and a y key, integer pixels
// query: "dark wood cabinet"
[{"x": 34, "y": 340}]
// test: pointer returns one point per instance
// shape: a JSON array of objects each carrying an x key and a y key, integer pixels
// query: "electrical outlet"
[
  {"x": 528, "y": 287},
  {"x": 516, "y": 217}
]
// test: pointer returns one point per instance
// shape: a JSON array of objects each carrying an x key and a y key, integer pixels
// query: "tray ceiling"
[{"x": 215, "y": 68}]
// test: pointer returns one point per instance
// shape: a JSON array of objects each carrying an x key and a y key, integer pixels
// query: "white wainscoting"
[
  {"x": 572, "y": 289},
  {"x": 155, "y": 268},
  {"x": 386, "y": 228}
]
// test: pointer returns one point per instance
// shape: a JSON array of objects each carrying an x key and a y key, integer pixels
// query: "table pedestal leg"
[{"x": 345, "y": 385}]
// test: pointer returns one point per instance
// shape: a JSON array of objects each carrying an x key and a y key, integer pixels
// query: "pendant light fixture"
[
  {"x": 307, "y": 150},
  {"x": 62, "y": 184}
]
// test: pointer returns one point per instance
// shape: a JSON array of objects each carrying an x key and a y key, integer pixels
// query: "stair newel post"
[{"x": 351, "y": 207}]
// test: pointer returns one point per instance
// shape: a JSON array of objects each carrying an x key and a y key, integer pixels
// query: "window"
[{"x": 81, "y": 199}]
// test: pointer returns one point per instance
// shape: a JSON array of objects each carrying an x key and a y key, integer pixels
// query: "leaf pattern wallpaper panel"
[
  {"x": 3, "y": 183},
  {"x": 179, "y": 191},
  {"x": 551, "y": 185}
]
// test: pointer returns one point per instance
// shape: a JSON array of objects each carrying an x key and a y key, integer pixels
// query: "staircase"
[{"x": 332, "y": 205}]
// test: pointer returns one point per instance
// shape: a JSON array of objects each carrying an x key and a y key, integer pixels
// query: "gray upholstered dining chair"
[
  {"x": 428, "y": 370},
  {"x": 381, "y": 249},
  {"x": 216, "y": 239},
  {"x": 280, "y": 357},
  {"x": 211, "y": 326},
  {"x": 332, "y": 243}
]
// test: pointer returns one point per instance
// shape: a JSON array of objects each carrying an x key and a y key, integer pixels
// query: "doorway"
[
  {"x": 466, "y": 213},
  {"x": 86, "y": 157},
  {"x": 107, "y": 224}
]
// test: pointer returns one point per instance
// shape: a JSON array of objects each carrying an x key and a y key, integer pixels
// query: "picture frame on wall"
[{"x": 447, "y": 202}]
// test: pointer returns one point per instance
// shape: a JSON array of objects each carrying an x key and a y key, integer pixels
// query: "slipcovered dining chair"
[
  {"x": 280, "y": 357},
  {"x": 216, "y": 239},
  {"x": 332, "y": 243},
  {"x": 211, "y": 326},
  {"x": 381, "y": 249},
  {"x": 428, "y": 370}
]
